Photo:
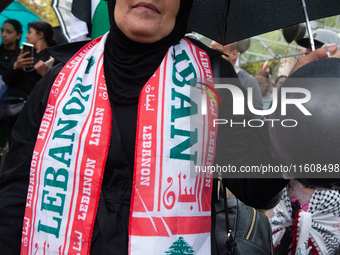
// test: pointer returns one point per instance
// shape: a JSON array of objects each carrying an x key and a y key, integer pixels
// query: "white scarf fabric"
[
  {"x": 170, "y": 206},
  {"x": 316, "y": 231}
]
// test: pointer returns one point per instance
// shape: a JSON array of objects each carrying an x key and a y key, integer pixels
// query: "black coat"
[
  {"x": 21, "y": 82},
  {"x": 110, "y": 234}
]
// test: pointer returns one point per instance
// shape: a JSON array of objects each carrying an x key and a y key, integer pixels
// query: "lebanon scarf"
[{"x": 170, "y": 205}]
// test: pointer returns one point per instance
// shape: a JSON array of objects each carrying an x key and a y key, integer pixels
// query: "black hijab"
[{"x": 128, "y": 65}]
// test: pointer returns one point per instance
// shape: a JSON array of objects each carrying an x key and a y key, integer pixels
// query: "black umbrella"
[
  {"x": 4, "y": 4},
  {"x": 227, "y": 21}
]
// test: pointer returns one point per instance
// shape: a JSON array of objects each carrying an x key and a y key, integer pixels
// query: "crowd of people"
[
  {"x": 109, "y": 130},
  {"x": 19, "y": 71},
  {"x": 11, "y": 33}
]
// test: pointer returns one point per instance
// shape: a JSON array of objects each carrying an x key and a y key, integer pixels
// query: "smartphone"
[{"x": 28, "y": 47}]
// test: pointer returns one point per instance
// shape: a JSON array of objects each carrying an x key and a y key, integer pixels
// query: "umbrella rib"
[{"x": 225, "y": 22}]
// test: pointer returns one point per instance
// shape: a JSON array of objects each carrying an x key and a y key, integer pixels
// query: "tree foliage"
[
  {"x": 272, "y": 67},
  {"x": 42, "y": 9}
]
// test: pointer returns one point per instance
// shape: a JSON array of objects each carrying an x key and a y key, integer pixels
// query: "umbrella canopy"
[
  {"x": 19, "y": 12},
  {"x": 228, "y": 21}
]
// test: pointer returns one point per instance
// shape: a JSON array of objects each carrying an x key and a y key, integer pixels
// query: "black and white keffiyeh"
[{"x": 316, "y": 231}]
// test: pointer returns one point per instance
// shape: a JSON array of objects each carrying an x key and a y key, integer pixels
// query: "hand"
[
  {"x": 336, "y": 54},
  {"x": 41, "y": 67},
  {"x": 23, "y": 62},
  {"x": 315, "y": 55}
]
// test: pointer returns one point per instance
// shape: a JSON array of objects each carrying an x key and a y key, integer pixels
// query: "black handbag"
[
  {"x": 11, "y": 107},
  {"x": 243, "y": 230}
]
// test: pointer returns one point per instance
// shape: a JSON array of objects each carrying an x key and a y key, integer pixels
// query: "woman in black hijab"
[
  {"x": 133, "y": 62},
  {"x": 140, "y": 36}
]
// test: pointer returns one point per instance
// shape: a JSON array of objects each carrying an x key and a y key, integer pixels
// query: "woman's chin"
[{"x": 145, "y": 35}]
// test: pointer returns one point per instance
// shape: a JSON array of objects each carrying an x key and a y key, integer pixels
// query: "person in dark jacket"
[
  {"x": 11, "y": 32},
  {"x": 98, "y": 197},
  {"x": 24, "y": 73}
]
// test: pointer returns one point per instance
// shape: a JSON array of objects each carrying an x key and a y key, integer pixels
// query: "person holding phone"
[
  {"x": 25, "y": 71},
  {"x": 11, "y": 32}
]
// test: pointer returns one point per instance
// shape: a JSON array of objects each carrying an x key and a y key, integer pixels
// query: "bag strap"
[
  {"x": 220, "y": 192},
  {"x": 231, "y": 244}
]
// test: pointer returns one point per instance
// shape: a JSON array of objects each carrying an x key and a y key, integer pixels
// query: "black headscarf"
[{"x": 128, "y": 65}]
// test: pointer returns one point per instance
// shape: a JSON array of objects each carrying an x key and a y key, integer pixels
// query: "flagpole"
[
  {"x": 311, "y": 39},
  {"x": 264, "y": 65}
]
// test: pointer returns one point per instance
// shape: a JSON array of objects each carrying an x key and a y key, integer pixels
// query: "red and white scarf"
[{"x": 170, "y": 208}]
